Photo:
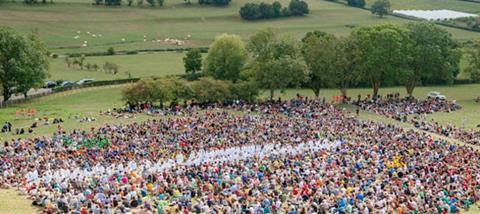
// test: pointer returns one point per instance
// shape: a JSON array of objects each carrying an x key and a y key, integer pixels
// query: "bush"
[
  {"x": 253, "y": 11},
  {"x": 298, "y": 8},
  {"x": 250, "y": 11},
  {"x": 214, "y": 2},
  {"x": 246, "y": 91},
  {"x": 110, "y": 51},
  {"x": 356, "y": 3}
]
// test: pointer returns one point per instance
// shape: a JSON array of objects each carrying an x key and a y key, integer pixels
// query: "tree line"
[
  {"x": 418, "y": 53},
  {"x": 153, "y": 3},
  {"x": 254, "y": 11}
]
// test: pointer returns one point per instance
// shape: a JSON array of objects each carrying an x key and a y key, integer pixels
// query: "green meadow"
[{"x": 194, "y": 25}]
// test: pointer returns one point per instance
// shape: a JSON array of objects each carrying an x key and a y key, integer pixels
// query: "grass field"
[
  {"x": 142, "y": 65},
  {"x": 83, "y": 102},
  {"x": 59, "y": 23}
]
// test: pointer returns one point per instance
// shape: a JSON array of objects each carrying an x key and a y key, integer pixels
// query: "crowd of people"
[
  {"x": 395, "y": 107},
  {"x": 451, "y": 131},
  {"x": 297, "y": 156}
]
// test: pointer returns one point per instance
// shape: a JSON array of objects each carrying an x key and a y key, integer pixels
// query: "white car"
[
  {"x": 85, "y": 81},
  {"x": 436, "y": 95}
]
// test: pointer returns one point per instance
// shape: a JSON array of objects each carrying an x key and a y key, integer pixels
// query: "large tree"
[
  {"x": 319, "y": 52},
  {"x": 381, "y": 7},
  {"x": 473, "y": 59},
  {"x": 226, "y": 58},
  {"x": 346, "y": 66},
  {"x": 193, "y": 61},
  {"x": 433, "y": 54},
  {"x": 23, "y": 62},
  {"x": 383, "y": 53},
  {"x": 276, "y": 61},
  {"x": 36, "y": 72}
]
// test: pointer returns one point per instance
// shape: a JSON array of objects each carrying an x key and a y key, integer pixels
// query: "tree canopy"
[
  {"x": 434, "y": 56},
  {"x": 381, "y": 7},
  {"x": 276, "y": 62},
  {"x": 23, "y": 62},
  {"x": 226, "y": 58},
  {"x": 383, "y": 53}
]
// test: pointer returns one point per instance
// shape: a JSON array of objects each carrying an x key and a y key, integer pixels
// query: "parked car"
[
  {"x": 85, "y": 81},
  {"x": 436, "y": 95},
  {"x": 50, "y": 84},
  {"x": 67, "y": 83}
]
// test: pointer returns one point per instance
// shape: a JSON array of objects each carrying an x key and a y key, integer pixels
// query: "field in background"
[
  {"x": 458, "y": 5},
  {"x": 134, "y": 66},
  {"x": 58, "y": 23}
]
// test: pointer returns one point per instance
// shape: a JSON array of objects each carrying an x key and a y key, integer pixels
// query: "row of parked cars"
[{"x": 54, "y": 84}]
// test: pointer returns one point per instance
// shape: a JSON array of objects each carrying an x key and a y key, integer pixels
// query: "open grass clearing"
[{"x": 135, "y": 66}]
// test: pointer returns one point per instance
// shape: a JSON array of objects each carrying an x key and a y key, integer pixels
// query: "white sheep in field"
[
  {"x": 123, "y": 39},
  {"x": 78, "y": 32},
  {"x": 94, "y": 35},
  {"x": 84, "y": 45},
  {"x": 99, "y": 35}
]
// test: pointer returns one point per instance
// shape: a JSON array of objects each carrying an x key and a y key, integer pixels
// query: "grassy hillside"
[
  {"x": 58, "y": 23},
  {"x": 143, "y": 65}
]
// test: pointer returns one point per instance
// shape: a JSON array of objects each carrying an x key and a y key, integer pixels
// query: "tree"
[
  {"x": 151, "y": 3},
  {"x": 130, "y": 3},
  {"x": 81, "y": 62},
  {"x": 276, "y": 62},
  {"x": 356, "y": 3},
  {"x": 250, "y": 11},
  {"x": 473, "y": 59},
  {"x": 214, "y": 2},
  {"x": 244, "y": 90},
  {"x": 319, "y": 52},
  {"x": 346, "y": 66},
  {"x": 298, "y": 8},
  {"x": 434, "y": 55},
  {"x": 208, "y": 90},
  {"x": 110, "y": 51},
  {"x": 266, "y": 10},
  {"x": 68, "y": 62},
  {"x": 192, "y": 61},
  {"x": 226, "y": 57},
  {"x": 160, "y": 2},
  {"x": 140, "y": 3},
  {"x": 113, "y": 2},
  {"x": 381, "y": 8},
  {"x": 277, "y": 9},
  {"x": 383, "y": 53},
  {"x": 23, "y": 62},
  {"x": 34, "y": 75}
]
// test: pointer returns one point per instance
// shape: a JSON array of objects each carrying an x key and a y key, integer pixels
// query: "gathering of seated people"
[
  {"x": 395, "y": 107},
  {"x": 286, "y": 156}
]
